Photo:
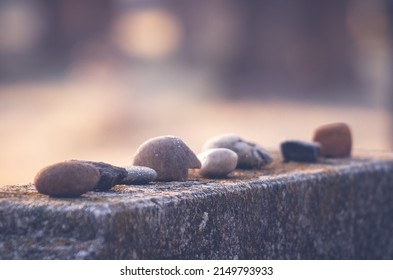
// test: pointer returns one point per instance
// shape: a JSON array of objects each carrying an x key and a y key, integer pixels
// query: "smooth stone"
[
  {"x": 250, "y": 155},
  {"x": 66, "y": 179},
  {"x": 139, "y": 175},
  {"x": 217, "y": 162},
  {"x": 169, "y": 156},
  {"x": 335, "y": 140},
  {"x": 110, "y": 175},
  {"x": 300, "y": 151}
]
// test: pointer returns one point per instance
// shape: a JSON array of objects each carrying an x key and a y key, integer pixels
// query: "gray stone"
[
  {"x": 217, "y": 162},
  {"x": 110, "y": 175},
  {"x": 250, "y": 155},
  {"x": 66, "y": 179},
  {"x": 169, "y": 156},
  {"x": 333, "y": 209},
  {"x": 139, "y": 175}
]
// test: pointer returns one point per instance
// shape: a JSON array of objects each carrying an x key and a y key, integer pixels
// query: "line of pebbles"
[{"x": 168, "y": 158}]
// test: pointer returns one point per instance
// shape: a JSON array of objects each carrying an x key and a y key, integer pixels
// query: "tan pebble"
[
  {"x": 335, "y": 140},
  {"x": 217, "y": 162},
  {"x": 66, "y": 179},
  {"x": 169, "y": 156}
]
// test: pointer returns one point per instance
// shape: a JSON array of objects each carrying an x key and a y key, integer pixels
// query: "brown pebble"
[
  {"x": 169, "y": 156},
  {"x": 335, "y": 140},
  {"x": 66, "y": 179}
]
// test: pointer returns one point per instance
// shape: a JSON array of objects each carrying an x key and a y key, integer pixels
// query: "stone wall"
[{"x": 334, "y": 209}]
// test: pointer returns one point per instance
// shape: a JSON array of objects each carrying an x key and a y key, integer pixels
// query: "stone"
[
  {"x": 66, "y": 179},
  {"x": 218, "y": 162},
  {"x": 335, "y": 140},
  {"x": 139, "y": 175},
  {"x": 169, "y": 156},
  {"x": 250, "y": 155},
  {"x": 300, "y": 151},
  {"x": 110, "y": 175}
]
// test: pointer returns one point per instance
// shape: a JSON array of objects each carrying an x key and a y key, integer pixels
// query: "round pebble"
[
  {"x": 66, "y": 179},
  {"x": 335, "y": 140},
  {"x": 169, "y": 156},
  {"x": 250, "y": 155},
  {"x": 139, "y": 175},
  {"x": 300, "y": 151},
  {"x": 217, "y": 162}
]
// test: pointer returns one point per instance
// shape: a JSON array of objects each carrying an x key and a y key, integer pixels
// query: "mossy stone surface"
[{"x": 333, "y": 209}]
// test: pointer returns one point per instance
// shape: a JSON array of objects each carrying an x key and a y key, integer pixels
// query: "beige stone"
[{"x": 217, "y": 162}]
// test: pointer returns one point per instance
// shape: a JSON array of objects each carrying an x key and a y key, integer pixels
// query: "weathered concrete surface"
[{"x": 335, "y": 209}]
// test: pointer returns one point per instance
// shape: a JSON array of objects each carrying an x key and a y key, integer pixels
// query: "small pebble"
[
  {"x": 110, "y": 175},
  {"x": 66, "y": 179},
  {"x": 169, "y": 156},
  {"x": 335, "y": 140},
  {"x": 217, "y": 162},
  {"x": 300, "y": 151},
  {"x": 139, "y": 175},
  {"x": 250, "y": 155}
]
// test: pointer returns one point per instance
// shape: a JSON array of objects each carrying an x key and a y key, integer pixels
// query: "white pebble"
[{"x": 217, "y": 162}]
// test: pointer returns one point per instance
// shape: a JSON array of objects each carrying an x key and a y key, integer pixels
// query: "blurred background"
[{"x": 84, "y": 79}]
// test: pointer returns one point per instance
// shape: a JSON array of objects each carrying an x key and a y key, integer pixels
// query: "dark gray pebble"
[
  {"x": 139, "y": 175},
  {"x": 66, "y": 179},
  {"x": 109, "y": 175},
  {"x": 300, "y": 151}
]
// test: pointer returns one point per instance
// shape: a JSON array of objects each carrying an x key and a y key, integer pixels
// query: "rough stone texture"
[{"x": 334, "y": 209}]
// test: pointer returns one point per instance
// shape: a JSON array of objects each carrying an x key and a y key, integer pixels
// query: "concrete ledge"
[{"x": 335, "y": 209}]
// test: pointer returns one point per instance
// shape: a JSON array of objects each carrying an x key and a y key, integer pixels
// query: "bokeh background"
[{"x": 93, "y": 79}]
